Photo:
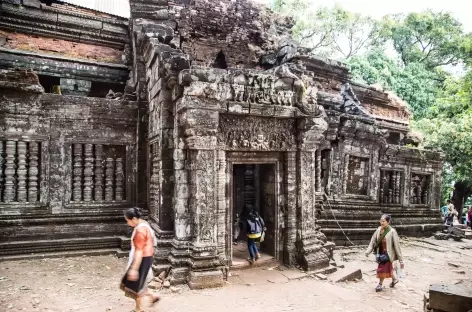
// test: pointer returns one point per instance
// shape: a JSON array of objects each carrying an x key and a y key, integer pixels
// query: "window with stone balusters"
[
  {"x": 20, "y": 171},
  {"x": 98, "y": 173},
  {"x": 391, "y": 186},
  {"x": 420, "y": 188}
]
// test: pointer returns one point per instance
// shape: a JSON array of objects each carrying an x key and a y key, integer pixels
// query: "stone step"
[
  {"x": 63, "y": 254},
  {"x": 20, "y": 247},
  {"x": 262, "y": 264}
]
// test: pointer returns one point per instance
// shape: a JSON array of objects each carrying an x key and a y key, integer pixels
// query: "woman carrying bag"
[{"x": 385, "y": 243}]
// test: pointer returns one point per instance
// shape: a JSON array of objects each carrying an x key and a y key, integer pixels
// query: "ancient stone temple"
[{"x": 193, "y": 110}]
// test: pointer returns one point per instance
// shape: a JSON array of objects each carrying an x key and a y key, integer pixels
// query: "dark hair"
[
  {"x": 386, "y": 217},
  {"x": 448, "y": 201},
  {"x": 131, "y": 213}
]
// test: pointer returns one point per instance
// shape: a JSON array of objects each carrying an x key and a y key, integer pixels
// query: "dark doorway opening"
[{"x": 254, "y": 186}]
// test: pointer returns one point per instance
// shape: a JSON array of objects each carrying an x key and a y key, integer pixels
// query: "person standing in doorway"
[
  {"x": 254, "y": 227},
  {"x": 139, "y": 272},
  {"x": 385, "y": 243}
]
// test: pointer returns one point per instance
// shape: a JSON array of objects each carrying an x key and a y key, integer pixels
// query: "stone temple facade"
[{"x": 190, "y": 110}]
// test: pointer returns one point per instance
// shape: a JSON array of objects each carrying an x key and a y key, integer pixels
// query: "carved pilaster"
[
  {"x": 109, "y": 178},
  {"x": 119, "y": 178},
  {"x": 33, "y": 172},
  {"x": 290, "y": 170},
  {"x": 21, "y": 172},
  {"x": 221, "y": 201},
  {"x": 88, "y": 172},
  {"x": 10, "y": 181},
  {"x": 77, "y": 174},
  {"x": 98, "y": 175}
]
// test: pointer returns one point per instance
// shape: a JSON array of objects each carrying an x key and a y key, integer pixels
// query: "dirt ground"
[{"x": 91, "y": 284}]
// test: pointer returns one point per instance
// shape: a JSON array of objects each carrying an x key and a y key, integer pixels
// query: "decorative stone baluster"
[
  {"x": 88, "y": 172},
  {"x": 397, "y": 187},
  {"x": 77, "y": 173},
  {"x": 382, "y": 186},
  {"x": 9, "y": 189},
  {"x": 33, "y": 172},
  {"x": 2, "y": 182},
  {"x": 109, "y": 177},
  {"x": 98, "y": 187},
  {"x": 318, "y": 170},
  {"x": 21, "y": 172},
  {"x": 119, "y": 178}
]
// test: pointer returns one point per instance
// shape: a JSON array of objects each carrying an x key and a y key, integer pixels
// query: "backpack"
[{"x": 254, "y": 226}]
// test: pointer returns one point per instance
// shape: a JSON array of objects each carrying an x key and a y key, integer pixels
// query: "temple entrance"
[{"x": 253, "y": 186}]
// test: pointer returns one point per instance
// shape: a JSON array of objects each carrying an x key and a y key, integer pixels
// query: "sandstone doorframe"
[{"x": 260, "y": 158}]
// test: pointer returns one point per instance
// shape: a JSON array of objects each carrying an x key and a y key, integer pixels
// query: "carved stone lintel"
[
  {"x": 109, "y": 178},
  {"x": 33, "y": 172},
  {"x": 21, "y": 172},
  {"x": 98, "y": 187},
  {"x": 252, "y": 133},
  {"x": 119, "y": 178},
  {"x": 88, "y": 172},
  {"x": 10, "y": 181}
]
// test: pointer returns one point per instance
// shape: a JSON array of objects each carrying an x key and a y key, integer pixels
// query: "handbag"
[{"x": 383, "y": 257}]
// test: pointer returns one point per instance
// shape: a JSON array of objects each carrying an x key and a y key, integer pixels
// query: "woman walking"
[
  {"x": 254, "y": 228},
  {"x": 385, "y": 244},
  {"x": 139, "y": 271}
]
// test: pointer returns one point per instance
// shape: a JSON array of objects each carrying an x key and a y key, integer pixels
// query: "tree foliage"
[
  {"x": 433, "y": 39},
  {"x": 424, "y": 45},
  {"x": 332, "y": 32},
  {"x": 414, "y": 82}
]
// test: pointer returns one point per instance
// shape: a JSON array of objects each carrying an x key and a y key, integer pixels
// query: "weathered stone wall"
[
  {"x": 58, "y": 47},
  {"x": 69, "y": 167}
]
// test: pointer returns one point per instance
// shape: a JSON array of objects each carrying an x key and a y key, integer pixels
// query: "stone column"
[
  {"x": 290, "y": 181},
  {"x": 314, "y": 252},
  {"x": 200, "y": 128}
]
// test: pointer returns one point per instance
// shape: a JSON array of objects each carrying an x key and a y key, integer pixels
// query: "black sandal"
[{"x": 393, "y": 283}]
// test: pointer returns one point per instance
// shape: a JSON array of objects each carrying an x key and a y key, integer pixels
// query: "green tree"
[
  {"x": 431, "y": 38},
  {"x": 449, "y": 127},
  {"x": 331, "y": 32},
  {"x": 414, "y": 82}
]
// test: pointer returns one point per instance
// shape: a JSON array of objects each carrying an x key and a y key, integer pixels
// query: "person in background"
[
  {"x": 469, "y": 217},
  {"x": 465, "y": 210},
  {"x": 451, "y": 211},
  {"x": 139, "y": 270},
  {"x": 385, "y": 243},
  {"x": 254, "y": 228},
  {"x": 444, "y": 213}
]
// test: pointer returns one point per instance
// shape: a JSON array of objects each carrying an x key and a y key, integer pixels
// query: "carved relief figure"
[{"x": 256, "y": 133}]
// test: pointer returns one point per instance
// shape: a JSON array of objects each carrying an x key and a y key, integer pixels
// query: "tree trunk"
[{"x": 461, "y": 193}]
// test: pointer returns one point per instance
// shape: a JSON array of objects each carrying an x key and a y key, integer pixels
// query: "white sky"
[{"x": 377, "y": 8}]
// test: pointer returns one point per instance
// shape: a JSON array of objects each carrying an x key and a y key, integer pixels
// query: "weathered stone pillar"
[
  {"x": 200, "y": 128},
  {"x": 314, "y": 252},
  {"x": 290, "y": 181}
]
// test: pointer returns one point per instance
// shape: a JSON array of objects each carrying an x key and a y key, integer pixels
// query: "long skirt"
[
  {"x": 133, "y": 289},
  {"x": 385, "y": 270}
]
